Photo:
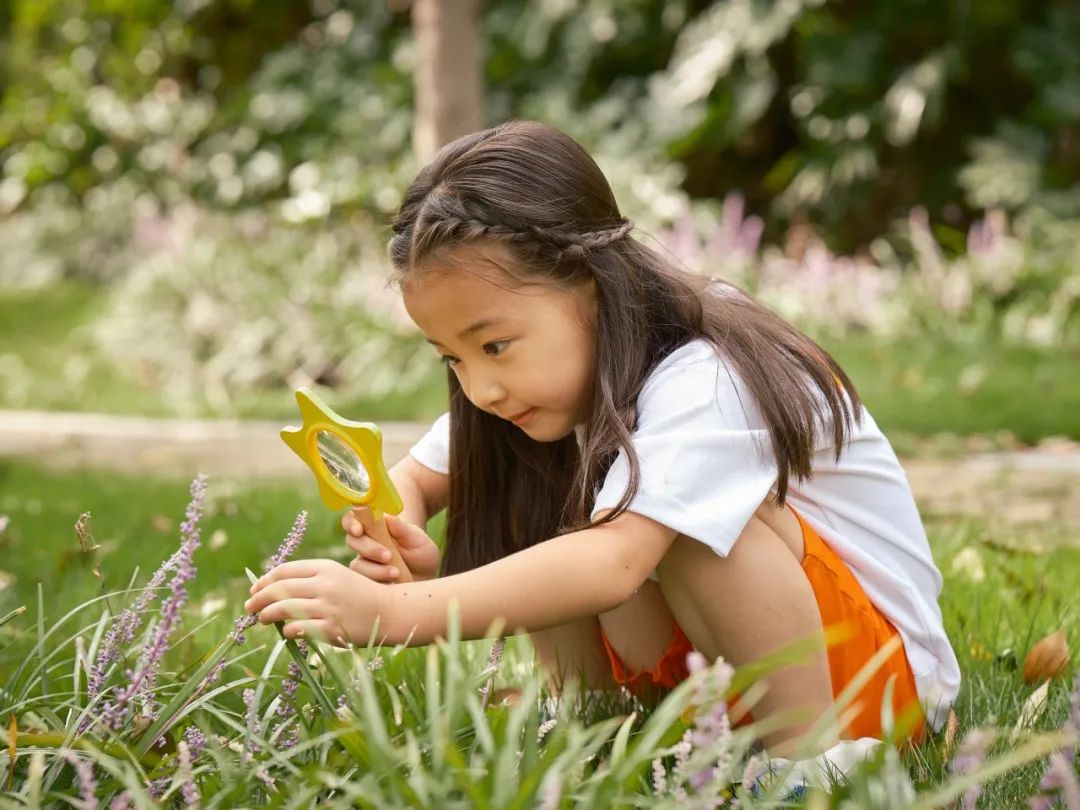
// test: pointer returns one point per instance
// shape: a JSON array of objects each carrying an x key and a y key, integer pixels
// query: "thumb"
[{"x": 405, "y": 533}]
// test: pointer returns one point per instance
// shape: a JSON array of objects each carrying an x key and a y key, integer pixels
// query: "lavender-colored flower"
[
  {"x": 124, "y": 627},
  {"x": 196, "y": 741},
  {"x": 494, "y": 659},
  {"x": 189, "y": 789},
  {"x": 288, "y": 691},
  {"x": 254, "y": 728},
  {"x": 290, "y": 543},
  {"x": 157, "y": 787},
  {"x": 243, "y": 623},
  {"x": 711, "y": 731},
  {"x": 264, "y": 776},
  {"x": 121, "y": 801},
  {"x": 287, "y": 707},
  {"x": 144, "y": 679},
  {"x": 214, "y": 674},
  {"x": 970, "y": 754},
  {"x": 1059, "y": 782},
  {"x": 84, "y": 775},
  {"x": 659, "y": 777},
  {"x": 696, "y": 662}
]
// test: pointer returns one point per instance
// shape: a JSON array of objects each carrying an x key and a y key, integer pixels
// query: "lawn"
[{"x": 993, "y": 615}]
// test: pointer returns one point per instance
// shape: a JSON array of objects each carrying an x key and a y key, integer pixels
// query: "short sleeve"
[
  {"x": 433, "y": 449},
  {"x": 705, "y": 454}
]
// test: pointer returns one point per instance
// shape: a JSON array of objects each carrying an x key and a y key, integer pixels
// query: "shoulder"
[{"x": 696, "y": 379}]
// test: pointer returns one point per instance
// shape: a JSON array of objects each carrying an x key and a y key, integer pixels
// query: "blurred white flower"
[{"x": 969, "y": 564}]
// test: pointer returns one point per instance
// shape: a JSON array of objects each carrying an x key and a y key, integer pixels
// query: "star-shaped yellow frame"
[{"x": 363, "y": 438}]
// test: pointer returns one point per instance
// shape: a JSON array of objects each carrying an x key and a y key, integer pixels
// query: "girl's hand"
[
  {"x": 323, "y": 597},
  {"x": 419, "y": 552}
]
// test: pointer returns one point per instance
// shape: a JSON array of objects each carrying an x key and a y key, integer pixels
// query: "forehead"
[{"x": 471, "y": 283}]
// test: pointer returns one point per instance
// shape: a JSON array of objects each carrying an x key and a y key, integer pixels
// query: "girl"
[{"x": 638, "y": 461}]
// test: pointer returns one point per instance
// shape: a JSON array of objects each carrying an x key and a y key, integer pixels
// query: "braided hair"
[{"x": 535, "y": 191}]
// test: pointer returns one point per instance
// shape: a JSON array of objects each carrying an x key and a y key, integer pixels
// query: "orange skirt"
[{"x": 843, "y": 604}]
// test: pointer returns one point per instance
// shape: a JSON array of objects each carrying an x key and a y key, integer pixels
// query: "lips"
[{"x": 520, "y": 416}]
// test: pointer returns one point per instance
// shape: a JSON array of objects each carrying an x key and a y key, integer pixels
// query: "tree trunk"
[{"x": 449, "y": 80}]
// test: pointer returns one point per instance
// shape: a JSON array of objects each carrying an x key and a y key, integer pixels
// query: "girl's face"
[{"x": 526, "y": 354}]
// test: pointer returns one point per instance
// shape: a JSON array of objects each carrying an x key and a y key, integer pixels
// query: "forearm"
[
  {"x": 415, "y": 510},
  {"x": 554, "y": 582}
]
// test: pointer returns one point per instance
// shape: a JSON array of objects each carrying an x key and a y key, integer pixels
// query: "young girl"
[{"x": 638, "y": 461}]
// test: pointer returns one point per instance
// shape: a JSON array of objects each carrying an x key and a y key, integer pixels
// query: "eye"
[
  {"x": 502, "y": 343},
  {"x": 447, "y": 360}
]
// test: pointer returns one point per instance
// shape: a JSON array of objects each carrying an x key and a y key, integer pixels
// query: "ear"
[{"x": 589, "y": 288}]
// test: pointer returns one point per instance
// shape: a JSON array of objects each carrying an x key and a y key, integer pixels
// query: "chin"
[{"x": 548, "y": 433}]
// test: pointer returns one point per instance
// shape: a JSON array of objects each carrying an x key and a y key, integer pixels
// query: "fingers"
[
  {"x": 375, "y": 571},
  {"x": 290, "y": 609},
  {"x": 322, "y": 630},
  {"x": 294, "y": 569},
  {"x": 352, "y": 525},
  {"x": 281, "y": 591},
  {"x": 369, "y": 549},
  {"x": 406, "y": 534}
]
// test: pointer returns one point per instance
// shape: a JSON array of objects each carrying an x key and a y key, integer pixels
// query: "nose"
[{"x": 485, "y": 391}]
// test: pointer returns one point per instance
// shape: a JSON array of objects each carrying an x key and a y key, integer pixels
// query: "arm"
[
  {"x": 423, "y": 492},
  {"x": 568, "y": 577}
]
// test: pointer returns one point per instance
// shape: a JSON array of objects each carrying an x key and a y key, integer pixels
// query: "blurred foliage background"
[{"x": 195, "y": 194}]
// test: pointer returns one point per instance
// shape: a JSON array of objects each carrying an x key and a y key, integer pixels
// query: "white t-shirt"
[{"x": 707, "y": 465}]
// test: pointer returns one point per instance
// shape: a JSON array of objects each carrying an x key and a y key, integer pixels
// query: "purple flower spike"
[
  {"x": 195, "y": 740},
  {"x": 84, "y": 775},
  {"x": 125, "y": 626},
  {"x": 290, "y": 543},
  {"x": 189, "y": 789},
  {"x": 254, "y": 727},
  {"x": 243, "y": 623},
  {"x": 144, "y": 679},
  {"x": 970, "y": 754}
]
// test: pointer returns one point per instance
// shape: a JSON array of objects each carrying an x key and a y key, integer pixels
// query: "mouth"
[{"x": 522, "y": 417}]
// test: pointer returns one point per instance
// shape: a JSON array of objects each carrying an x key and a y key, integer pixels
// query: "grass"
[
  {"x": 992, "y": 622},
  {"x": 913, "y": 388},
  {"x": 48, "y": 329},
  {"x": 924, "y": 388}
]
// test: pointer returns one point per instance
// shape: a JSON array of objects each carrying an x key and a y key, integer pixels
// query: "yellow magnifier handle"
[{"x": 377, "y": 530}]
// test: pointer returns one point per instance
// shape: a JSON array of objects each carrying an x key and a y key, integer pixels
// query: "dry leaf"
[
  {"x": 1032, "y": 710},
  {"x": 1048, "y": 658},
  {"x": 952, "y": 725}
]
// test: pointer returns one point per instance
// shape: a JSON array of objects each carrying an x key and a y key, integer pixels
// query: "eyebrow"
[{"x": 483, "y": 323}]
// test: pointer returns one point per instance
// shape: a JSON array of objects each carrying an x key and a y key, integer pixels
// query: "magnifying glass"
[{"x": 346, "y": 458}]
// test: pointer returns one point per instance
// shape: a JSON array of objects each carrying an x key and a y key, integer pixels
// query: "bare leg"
[
  {"x": 573, "y": 650},
  {"x": 749, "y": 604},
  {"x": 639, "y": 630}
]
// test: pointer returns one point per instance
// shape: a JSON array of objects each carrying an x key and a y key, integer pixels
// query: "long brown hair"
[{"x": 536, "y": 191}]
